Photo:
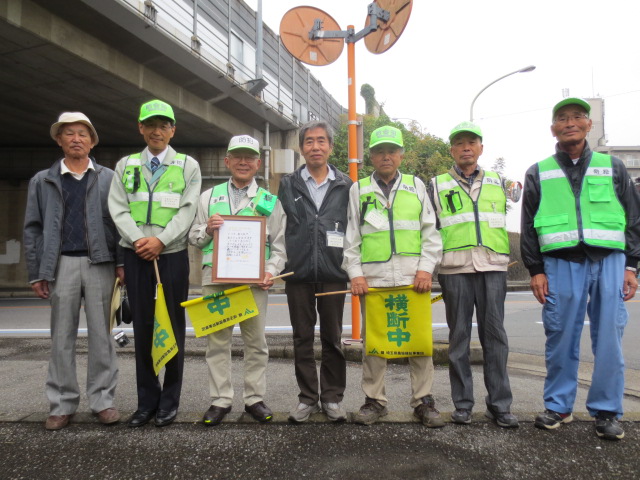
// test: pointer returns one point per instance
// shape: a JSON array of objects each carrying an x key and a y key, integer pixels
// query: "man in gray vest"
[
  {"x": 580, "y": 241},
  {"x": 153, "y": 201},
  {"x": 240, "y": 195},
  {"x": 70, "y": 249},
  {"x": 471, "y": 206}
]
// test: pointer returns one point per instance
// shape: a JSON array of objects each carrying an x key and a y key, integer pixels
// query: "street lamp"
[{"x": 530, "y": 68}]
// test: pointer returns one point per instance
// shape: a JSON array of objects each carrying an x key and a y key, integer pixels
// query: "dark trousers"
[
  {"x": 333, "y": 367},
  {"x": 141, "y": 288},
  {"x": 486, "y": 291}
]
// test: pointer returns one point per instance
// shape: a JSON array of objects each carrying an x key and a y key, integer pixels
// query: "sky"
[{"x": 449, "y": 51}]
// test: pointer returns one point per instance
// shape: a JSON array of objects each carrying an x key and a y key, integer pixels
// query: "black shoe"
[
  {"x": 502, "y": 419},
  {"x": 259, "y": 411},
  {"x": 461, "y": 416},
  {"x": 607, "y": 426},
  {"x": 164, "y": 418},
  {"x": 550, "y": 420},
  {"x": 140, "y": 418},
  {"x": 214, "y": 415}
]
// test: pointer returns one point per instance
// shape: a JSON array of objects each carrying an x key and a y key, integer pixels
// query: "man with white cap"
[
  {"x": 153, "y": 201},
  {"x": 471, "y": 206},
  {"x": 240, "y": 195},
  {"x": 391, "y": 241},
  {"x": 70, "y": 249},
  {"x": 580, "y": 241}
]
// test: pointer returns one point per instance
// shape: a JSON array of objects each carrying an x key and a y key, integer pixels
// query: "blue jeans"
[{"x": 576, "y": 289}]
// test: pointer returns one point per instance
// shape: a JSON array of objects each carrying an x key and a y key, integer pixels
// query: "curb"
[{"x": 282, "y": 418}]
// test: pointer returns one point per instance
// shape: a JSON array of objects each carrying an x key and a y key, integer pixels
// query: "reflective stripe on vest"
[
  {"x": 156, "y": 207},
  {"x": 400, "y": 234},
  {"x": 466, "y": 224},
  {"x": 219, "y": 203},
  {"x": 596, "y": 218}
]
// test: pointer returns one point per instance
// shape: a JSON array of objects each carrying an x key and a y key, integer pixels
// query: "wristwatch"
[{"x": 631, "y": 269}]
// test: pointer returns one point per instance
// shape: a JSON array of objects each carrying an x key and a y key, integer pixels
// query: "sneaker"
[
  {"x": 502, "y": 419},
  {"x": 551, "y": 420},
  {"x": 607, "y": 426},
  {"x": 370, "y": 412},
  {"x": 427, "y": 413},
  {"x": 461, "y": 416},
  {"x": 334, "y": 412},
  {"x": 302, "y": 412}
]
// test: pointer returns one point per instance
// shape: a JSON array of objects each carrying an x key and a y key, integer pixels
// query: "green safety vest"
[
  {"x": 596, "y": 218},
  {"x": 219, "y": 203},
  {"x": 466, "y": 224},
  {"x": 401, "y": 232},
  {"x": 158, "y": 206}
]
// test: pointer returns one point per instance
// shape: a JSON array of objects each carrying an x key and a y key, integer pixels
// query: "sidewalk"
[{"x": 24, "y": 361}]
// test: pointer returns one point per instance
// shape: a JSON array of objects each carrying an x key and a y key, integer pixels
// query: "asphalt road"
[{"x": 30, "y": 317}]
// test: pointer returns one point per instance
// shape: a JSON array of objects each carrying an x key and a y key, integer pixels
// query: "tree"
[{"x": 425, "y": 155}]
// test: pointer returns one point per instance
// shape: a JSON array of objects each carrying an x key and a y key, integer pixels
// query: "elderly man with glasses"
[
  {"x": 240, "y": 195},
  {"x": 580, "y": 242}
]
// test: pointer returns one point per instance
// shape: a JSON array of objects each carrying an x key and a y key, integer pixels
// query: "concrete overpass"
[{"x": 212, "y": 60}]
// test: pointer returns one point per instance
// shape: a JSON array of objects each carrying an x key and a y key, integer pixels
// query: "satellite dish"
[
  {"x": 388, "y": 32},
  {"x": 294, "y": 32}
]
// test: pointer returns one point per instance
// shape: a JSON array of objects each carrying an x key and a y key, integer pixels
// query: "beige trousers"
[{"x": 256, "y": 354}]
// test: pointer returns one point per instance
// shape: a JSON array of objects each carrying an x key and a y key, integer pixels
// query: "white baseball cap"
[{"x": 244, "y": 141}]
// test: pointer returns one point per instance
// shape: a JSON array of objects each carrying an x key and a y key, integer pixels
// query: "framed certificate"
[{"x": 239, "y": 250}]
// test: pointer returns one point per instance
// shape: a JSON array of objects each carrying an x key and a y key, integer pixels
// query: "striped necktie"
[{"x": 155, "y": 163}]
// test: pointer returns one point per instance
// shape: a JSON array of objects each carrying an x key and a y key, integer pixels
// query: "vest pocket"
[
  {"x": 599, "y": 189},
  {"x": 550, "y": 220},
  {"x": 611, "y": 221}
]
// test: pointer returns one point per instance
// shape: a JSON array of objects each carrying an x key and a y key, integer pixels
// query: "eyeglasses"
[
  {"x": 164, "y": 127},
  {"x": 567, "y": 118},
  {"x": 246, "y": 158}
]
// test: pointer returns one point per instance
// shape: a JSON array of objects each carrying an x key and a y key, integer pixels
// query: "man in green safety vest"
[
  {"x": 580, "y": 241},
  {"x": 240, "y": 195},
  {"x": 391, "y": 241},
  {"x": 471, "y": 206},
  {"x": 153, "y": 201}
]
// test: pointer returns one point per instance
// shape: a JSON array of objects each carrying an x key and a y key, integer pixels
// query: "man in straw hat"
[
  {"x": 392, "y": 241},
  {"x": 70, "y": 249},
  {"x": 240, "y": 195},
  {"x": 153, "y": 201}
]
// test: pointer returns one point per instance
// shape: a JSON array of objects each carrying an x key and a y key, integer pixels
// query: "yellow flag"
[
  {"x": 398, "y": 323},
  {"x": 221, "y": 310},
  {"x": 164, "y": 345}
]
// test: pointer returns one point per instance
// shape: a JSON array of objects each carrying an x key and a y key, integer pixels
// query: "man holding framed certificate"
[{"x": 240, "y": 196}]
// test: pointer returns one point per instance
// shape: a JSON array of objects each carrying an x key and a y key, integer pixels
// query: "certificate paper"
[{"x": 239, "y": 250}]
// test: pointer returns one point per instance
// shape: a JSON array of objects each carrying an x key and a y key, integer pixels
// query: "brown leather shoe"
[
  {"x": 57, "y": 422},
  {"x": 259, "y": 411},
  {"x": 109, "y": 416}
]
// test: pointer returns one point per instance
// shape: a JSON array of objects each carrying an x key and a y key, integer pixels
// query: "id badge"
[
  {"x": 375, "y": 218},
  {"x": 496, "y": 221},
  {"x": 335, "y": 239},
  {"x": 170, "y": 201}
]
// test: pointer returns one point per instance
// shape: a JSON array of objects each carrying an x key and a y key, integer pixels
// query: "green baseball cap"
[
  {"x": 571, "y": 101},
  {"x": 386, "y": 134},
  {"x": 156, "y": 108},
  {"x": 465, "y": 127}
]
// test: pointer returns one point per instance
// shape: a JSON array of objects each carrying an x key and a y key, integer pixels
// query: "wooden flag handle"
[
  {"x": 282, "y": 276},
  {"x": 155, "y": 265},
  {"x": 337, "y": 292}
]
